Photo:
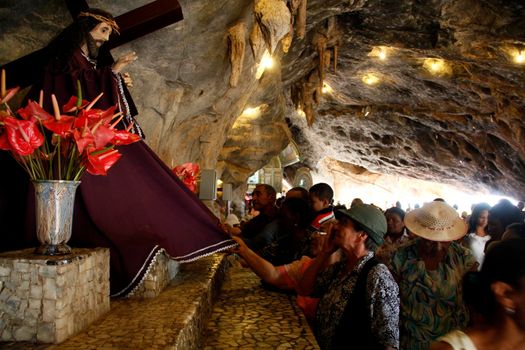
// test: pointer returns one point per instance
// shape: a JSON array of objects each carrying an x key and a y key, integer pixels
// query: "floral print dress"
[{"x": 431, "y": 300}]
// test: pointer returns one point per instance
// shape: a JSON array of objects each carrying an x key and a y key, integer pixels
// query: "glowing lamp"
[
  {"x": 370, "y": 79},
  {"x": 267, "y": 62},
  {"x": 519, "y": 57},
  {"x": 436, "y": 66},
  {"x": 326, "y": 89}
]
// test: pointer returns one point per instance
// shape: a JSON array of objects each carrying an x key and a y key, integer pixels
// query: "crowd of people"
[{"x": 427, "y": 278}]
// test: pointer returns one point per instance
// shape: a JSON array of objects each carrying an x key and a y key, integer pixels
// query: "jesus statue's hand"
[
  {"x": 127, "y": 79},
  {"x": 123, "y": 61}
]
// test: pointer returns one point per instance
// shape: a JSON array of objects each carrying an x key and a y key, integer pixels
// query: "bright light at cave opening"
[{"x": 267, "y": 62}]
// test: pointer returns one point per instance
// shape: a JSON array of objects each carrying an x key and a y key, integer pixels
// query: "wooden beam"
[{"x": 146, "y": 19}]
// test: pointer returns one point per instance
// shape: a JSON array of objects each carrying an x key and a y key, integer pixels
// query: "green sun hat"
[{"x": 370, "y": 218}]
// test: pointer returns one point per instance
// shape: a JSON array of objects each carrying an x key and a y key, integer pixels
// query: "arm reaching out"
[
  {"x": 263, "y": 268},
  {"x": 307, "y": 282}
]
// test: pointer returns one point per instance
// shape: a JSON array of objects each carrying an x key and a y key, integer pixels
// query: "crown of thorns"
[{"x": 114, "y": 26}]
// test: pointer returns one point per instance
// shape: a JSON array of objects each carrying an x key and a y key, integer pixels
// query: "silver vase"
[{"x": 55, "y": 200}]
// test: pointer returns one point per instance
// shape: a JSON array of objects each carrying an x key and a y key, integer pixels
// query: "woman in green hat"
[{"x": 359, "y": 299}]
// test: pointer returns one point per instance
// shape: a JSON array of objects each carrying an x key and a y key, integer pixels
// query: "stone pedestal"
[{"x": 47, "y": 299}]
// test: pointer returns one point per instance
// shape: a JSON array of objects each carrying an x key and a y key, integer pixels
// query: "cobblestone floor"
[{"x": 247, "y": 316}]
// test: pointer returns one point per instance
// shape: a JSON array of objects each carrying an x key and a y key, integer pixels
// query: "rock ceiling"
[{"x": 426, "y": 89}]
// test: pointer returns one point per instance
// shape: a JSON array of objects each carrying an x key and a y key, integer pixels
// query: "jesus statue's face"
[
  {"x": 97, "y": 37},
  {"x": 101, "y": 33}
]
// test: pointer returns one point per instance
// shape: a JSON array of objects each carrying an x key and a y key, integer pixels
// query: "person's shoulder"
[{"x": 381, "y": 272}]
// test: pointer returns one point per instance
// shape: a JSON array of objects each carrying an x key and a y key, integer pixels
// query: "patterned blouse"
[
  {"x": 382, "y": 295},
  {"x": 431, "y": 300}
]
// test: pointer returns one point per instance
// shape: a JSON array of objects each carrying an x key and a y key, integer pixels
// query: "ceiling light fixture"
[
  {"x": 327, "y": 89},
  {"x": 437, "y": 66},
  {"x": 370, "y": 79},
  {"x": 380, "y": 52},
  {"x": 519, "y": 57}
]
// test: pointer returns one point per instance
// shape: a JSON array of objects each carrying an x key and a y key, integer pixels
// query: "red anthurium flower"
[
  {"x": 34, "y": 111},
  {"x": 103, "y": 135},
  {"x": 23, "y": 135},
  {"x": 123, "y": 137},
  {"x": 99, "y": 164},
  {"x": 83, "y": 139},
  {"x": 71, "y": 105},
  {"x": 4, "y": 142},
  {"x": 61, "y": 127}
]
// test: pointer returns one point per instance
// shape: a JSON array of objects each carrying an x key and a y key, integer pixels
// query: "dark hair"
[
  {"x": 322, "y": 191},
  {"x": 61, "y": 48},
  {"x": 505, "y": 213},
  {"x": 303, "y": 191},
  {"x": 476, "y": 213},
  {"x": 299, "y": 207},
  {"x": 269, "y": 189},
  {"x": 517, "y": 230},
  {"x": 505, "y": 262},
  {"x": 397, "y": 211}
]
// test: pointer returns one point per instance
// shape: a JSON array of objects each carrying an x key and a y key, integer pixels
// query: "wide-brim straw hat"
[{"x": 436, "y": 221}]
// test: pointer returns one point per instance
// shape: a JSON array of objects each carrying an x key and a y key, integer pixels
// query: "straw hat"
[{"x": 436, "y": 221}]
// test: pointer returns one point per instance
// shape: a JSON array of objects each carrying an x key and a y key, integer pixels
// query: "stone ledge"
[
  {"x": 174, "y": 320},
  {"x": 161, "y": 272},
  {"x": 46, "y": 299}
]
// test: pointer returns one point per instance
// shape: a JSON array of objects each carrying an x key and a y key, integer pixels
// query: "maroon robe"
[{"x": 139, "y": 209}]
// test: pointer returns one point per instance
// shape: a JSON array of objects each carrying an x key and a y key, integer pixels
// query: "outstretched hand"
[
  {"x": 123, "y": 61},
  {"x": 329, "y": 246}
]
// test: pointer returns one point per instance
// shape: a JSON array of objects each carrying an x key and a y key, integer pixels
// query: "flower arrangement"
[
  {"x": 189, "y": 175},
  {"x": 62, "y": 146}
]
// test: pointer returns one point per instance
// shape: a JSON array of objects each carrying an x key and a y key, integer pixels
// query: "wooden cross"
[{"x": 133, "y": 24}]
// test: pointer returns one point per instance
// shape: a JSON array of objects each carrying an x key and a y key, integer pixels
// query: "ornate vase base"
[{"x": 53, "y": 249}]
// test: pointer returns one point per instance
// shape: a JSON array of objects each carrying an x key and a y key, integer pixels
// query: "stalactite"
[
  {"x": 256, "y": 42},
  {"x": 320, "y": 46},
  {"x": 301, "y": 20},
  {"x": 336, "y": 55},
  {"x": 294, "y": 5},
  {"x": 237, "y": 45},
  {"x": 286, "y": 42},
  {"x": 327, "y": 58},
  {"x": 273, "y": 17}
]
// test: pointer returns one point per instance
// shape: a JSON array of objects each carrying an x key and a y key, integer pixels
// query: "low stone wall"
[
  {"x": 161, "y": 272},
  {"x": 47, "y": 299}
]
